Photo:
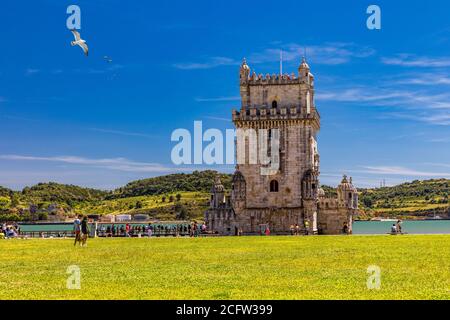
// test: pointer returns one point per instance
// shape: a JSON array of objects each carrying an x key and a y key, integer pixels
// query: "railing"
[{"x": 47, "y": 234}]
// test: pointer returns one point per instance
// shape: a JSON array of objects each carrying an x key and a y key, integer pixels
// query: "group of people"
[
  {"x": 396, "y": 228},
  {"x": 81, "y": 230},
  {"x": 193, "y": 230},
  {"x": 9, "y": 231}
]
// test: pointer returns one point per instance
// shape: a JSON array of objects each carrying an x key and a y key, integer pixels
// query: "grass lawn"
[{"x": 323, "y": 267}]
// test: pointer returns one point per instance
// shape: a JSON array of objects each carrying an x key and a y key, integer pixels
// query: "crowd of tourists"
[
  {"x": 148, "y": 230},
  {"x": 8, "y": 231}
]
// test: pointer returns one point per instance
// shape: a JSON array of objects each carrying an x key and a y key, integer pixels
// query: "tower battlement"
[
  {"x": 268, "y": 117},
  {"x": 272, "y": 79}
]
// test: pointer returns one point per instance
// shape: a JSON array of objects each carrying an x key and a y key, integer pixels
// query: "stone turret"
[
  {"x": 217, "y": 194},
  {"x": 244, "y": 72},
  {"x": 347, "y": 194}
]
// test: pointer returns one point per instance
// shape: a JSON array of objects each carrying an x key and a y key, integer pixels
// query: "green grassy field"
[{"x": 324, "y": 267}]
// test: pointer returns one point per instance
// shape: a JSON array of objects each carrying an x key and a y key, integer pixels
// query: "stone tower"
[{"x": 284, "y": 191}]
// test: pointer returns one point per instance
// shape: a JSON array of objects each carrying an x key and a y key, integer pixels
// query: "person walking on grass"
[
  {"x": 77, "y": 230},
  {"x": 84, "y": 231}
]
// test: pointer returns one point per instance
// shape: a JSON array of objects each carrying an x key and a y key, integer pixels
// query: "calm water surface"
[{"x": 411, "y": 227}]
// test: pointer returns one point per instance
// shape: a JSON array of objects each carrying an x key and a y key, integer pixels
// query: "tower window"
[
  {"x": 274, "y": 186},
  {"x": 274, "y": 104}
]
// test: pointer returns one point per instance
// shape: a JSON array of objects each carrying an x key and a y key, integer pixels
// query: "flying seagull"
[{"x": 80, "y": 42}]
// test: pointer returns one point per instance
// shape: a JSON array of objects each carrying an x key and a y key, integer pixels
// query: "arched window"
[
  {"x": 274, "y": 186},
  {"x": 274, "y": 104}
]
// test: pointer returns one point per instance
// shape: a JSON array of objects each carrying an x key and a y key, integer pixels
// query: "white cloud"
[
  {"x": 438, "y": 118},
  {"x": 424, "y": 79},
  {"x": 31, "y": 71},
  {"x": 402, "y": 171},
  {"x": 122, "y": 133},
  {"x": 210, "y": 63},
  {"x": 218, "y": 118},
  {"x": 333, "y": 53},
  {"x": 409, "y": 60},
  {"x": 219, "y": 99},
  {"x": 121, "y": 164},
  {"x": 387, "y": 97}
]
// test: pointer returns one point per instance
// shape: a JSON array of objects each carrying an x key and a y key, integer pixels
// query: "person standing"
[
  {"x": 84, "y": 231},
  {"x": 150, "y": 230},
  {"x": 77, "y": 229},
  {"x": 195, "y": 229},
  {"x": 345, "y": 228},
  {"x": 267, "y": 230},
  {"x": 399, "y": 226}
]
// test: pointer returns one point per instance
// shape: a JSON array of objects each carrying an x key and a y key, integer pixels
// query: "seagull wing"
[
  {"x": 76, "y": 34},
  {"x": 85, "y": 48}
]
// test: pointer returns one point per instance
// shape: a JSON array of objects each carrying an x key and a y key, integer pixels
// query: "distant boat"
[{"x": 383, "y": 219}]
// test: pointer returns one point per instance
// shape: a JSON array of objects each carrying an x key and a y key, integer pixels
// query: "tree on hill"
[
  {"x": 181, "y": 212},
  {"x": 138, "y": 205},
  {"x": 4, "y": 202}
]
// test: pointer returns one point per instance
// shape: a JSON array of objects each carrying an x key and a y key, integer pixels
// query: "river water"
[
  {"x": 359, "y": 227},
  {"x": 411, "y": 227}
]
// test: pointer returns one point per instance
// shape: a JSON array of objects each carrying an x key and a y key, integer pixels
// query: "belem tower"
[{"x": 290, "y": 195}]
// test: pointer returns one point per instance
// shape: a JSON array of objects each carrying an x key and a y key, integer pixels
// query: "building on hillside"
[{"x": 282, "y": 107}]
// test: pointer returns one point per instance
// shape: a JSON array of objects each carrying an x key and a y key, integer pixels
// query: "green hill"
[
  {"x": 61, "y": 194},
  {"x": 197, "y": 181},
  {"x": 417, "y": 198},
  {"x": 186, "y": 195}
]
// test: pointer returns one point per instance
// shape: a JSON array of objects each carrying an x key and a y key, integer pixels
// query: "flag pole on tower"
[{"x": 281, "y": 62}]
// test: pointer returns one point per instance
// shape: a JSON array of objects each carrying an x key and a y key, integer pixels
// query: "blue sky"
[{"x": 383, "y": 95}]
